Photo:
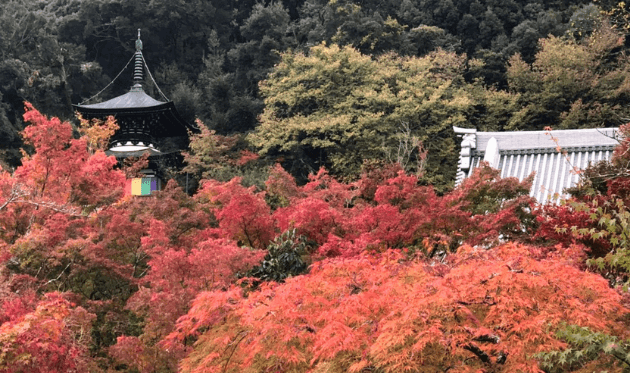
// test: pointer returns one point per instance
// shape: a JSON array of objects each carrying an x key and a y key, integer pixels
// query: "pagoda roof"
[
  {"x": 521, "y": 153},
  {"x": 136, "y": 98},
  {"x": 134, "y": 101}
]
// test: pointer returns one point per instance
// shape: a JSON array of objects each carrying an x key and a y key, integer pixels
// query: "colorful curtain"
[{"x": 142, "y": 186}]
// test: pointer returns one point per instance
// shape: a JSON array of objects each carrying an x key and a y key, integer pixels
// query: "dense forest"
[
  {"x": 325, "y": 233},
  {"x": 367, "y": 76}
]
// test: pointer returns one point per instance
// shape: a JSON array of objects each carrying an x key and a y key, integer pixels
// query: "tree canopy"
[
  {"x": 379, "y": 273},
  {"x": 325, "y": 232},
  {"x": 216, "y": 60},
  {"x": 335, "y": 108}
]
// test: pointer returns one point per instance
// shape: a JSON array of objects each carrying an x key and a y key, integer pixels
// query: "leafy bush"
[{"x": 284, "y": 258}]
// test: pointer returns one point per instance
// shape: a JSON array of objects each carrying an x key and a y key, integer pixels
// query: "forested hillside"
[
  {"x": 326, "y": 234},
  {"x": 485, "y": 61}
]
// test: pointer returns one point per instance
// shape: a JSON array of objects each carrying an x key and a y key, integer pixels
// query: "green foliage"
[
  {"x": 612, "y": 219},
  {"x": 571, "y": 84},
  {"x": 217, "y": 157},
  {"x": 38, "y": 63},
  {"x": 585, "y": 21},
  {"x": 585, "y": 346},
  {"x": 231, "y": 72},
  {"x": 601, "y": 202},
  {"x": 424, "y": 39},
  {"x": 372, "y": 27},
  {"x": 617, "y": 11},
  {"x": 493, "y": 108},
  {"x": 209, "y": 56},
  {"x": 285, "y": 258},
  {"x": 487, "y": 193},
  {"x": 335, "y": 108}
]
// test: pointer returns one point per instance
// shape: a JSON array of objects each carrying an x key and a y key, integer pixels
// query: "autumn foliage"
[
  {"x": 52, "y": 337},
  {"x": 477, "y": 309},
  {"x": 381, "y": 274}
]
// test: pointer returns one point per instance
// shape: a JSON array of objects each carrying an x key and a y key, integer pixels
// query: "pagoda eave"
[
  {"x": 167, "y": 112},
  {"x": 166, "y": 106}
]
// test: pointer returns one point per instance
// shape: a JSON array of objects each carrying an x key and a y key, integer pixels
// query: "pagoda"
[{"x": 146, "y": 125}]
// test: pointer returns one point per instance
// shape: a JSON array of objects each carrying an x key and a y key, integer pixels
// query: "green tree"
[
  {"x": 572, "y": 84},
  {"x": 587, "y": 349},
  {"x": 617, "y": 11},
  {"x": 230, "y": 102},
  {"x": 425, "y": 39},
  {"x": 284, "y": 258},
  {"x": 372, "y": 27},
  {"x": 40, "y": 62},
  {"x": 335, "y": 108}
]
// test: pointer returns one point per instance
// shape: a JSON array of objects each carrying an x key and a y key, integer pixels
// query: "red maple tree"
[
  {"x": 479, "y": 310},
  {"x": 401, "y": 278}
]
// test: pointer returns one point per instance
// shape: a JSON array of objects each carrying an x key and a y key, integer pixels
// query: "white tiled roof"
[{"x": 518, "y": 154}]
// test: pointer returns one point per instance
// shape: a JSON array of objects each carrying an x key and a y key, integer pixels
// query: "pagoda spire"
[{"x": 138, "y": 71}]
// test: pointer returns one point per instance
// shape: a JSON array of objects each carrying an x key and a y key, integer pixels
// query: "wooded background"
[{"x": 406, "y": 68}]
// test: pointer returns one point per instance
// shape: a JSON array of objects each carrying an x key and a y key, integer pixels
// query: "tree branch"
[
  {"x": 51, "y": 206},
  {"x": 620, "y": 356},
  {"x": 234, "y": 350},
  {"x": 478, "y": 352}
]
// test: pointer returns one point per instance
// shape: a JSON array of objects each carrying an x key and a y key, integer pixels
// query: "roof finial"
[
  {"x": 138, "y": 71},
  {"x": 138, "y": 43}
]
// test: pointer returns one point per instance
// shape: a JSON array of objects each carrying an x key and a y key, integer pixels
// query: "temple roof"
[
  {"x": 521, "y": 153},
  {"x": 136, "y": 98},
  {"x": 517, "y": 140}
]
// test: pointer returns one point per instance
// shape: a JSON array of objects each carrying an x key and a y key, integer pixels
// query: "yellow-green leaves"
[
  {"x": 571, "y": 84},
  {"x": 335, "y": 108}
]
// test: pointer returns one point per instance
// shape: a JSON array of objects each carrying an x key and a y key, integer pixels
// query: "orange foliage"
[
  {"x": 242, "y": 214},
  {"x": 431, "y": 304},
  {"x": 62, "y": 170},
  {"x": 481, "y": 310},
  {"x": 54, "y": 337},
  {"x": 97, "y": 132}
]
